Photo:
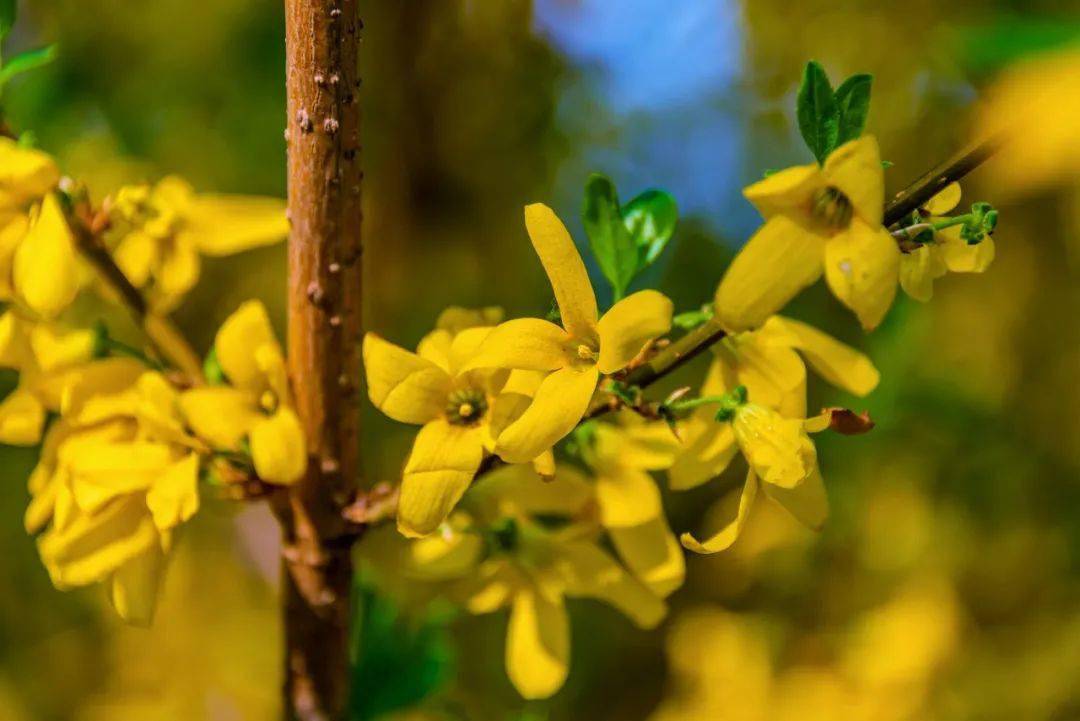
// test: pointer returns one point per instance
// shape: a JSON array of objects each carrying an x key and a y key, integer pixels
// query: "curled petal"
[
  {"x": 944, "y": 201},
  {"x": 174, "y": 496},
  {"x": 629, "y": 325},
  {"x": 960, "y": 257},
  {"x": 441, "y": 466},
  {"x": 565, "y": 269},
  {"x": 278, "y": 447},
  {"x": 918, "y": 271},
  {"x": 862, "y": 266},
  {"x": 560, "y": 402},
  {"x": 592, "y": 573},
  {"x": 133, "y": 588},
  {"x": 651, "y": 551},
  {"x": 46, "y": 270},
  {"x": 219, "y": 415},
  {"x": 730, "y": 522},
  {"x": 247, "y": 329},
  {"x": 780, "y": 260},
  {"x": 403, "y": 385},
  {"x": 789, "y": 192},
  {"x": 838, "y": 363},
  {"x": 527, "y": 344},
  {"x": 22, "y": 417},
  {"x": 537, "y": 645},
  {"x": 807, "y": 502}
]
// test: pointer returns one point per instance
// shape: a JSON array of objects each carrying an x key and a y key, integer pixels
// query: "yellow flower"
[
  {"x": 165, "y": 229},
  {"x": 454, "y": 407},
  {"x": 47, "y": 359},
  {"x": 771, "y": 364},
  {"x": 817, "y": 218},
  {"x": 946, "y": 252},
  {"x": 782, "y": 462},
  {"x": 256, "y": 405},
  {"x": 117, "y": 474},
  {"x": 26, "y": 176},
  {"x": 628, "y": 498},
  {"x": 519, "y": 564},
  {"x": 574, "y": 355}
]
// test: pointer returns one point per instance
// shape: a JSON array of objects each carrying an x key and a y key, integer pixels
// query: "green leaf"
[
  {"x": 399, "y": 661},
  {"x": 818, "y": 115},
  {"x": 650, "y": 219},
  {"x": 25, "y": 62},
  {"x": 853, "y": 104},
  {"x": 611, "y": 242},
  {"x": 7, "y": 17}
]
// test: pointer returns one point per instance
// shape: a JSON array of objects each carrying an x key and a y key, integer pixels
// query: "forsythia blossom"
[
  {"x": 163, "y": 230},
  {"x": 256, "y": 405},
  {"x": 573, "y": 356},
  {"x": 118, "y": 474},
  {"x": 817, "y": 219}
]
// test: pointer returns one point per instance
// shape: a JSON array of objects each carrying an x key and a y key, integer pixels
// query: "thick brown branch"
[
  {"x": 322, "y": 41},
  {"x": 933, "y": 182}
]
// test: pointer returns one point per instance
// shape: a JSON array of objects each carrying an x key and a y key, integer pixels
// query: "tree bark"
[{"x": 322, "y": 41}]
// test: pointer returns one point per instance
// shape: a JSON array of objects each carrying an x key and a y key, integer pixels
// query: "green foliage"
[
  {"x": 819, "y": 118},
  {"x": 215, "y": 374},
  {"x": 827, "y": 118},
  {"x": 27, "y": 61},
  {"x": 693, "y": 318},
  {"x": 7, "y": 17},
  {"x": 853, "y": 104},
  {"x": 626, "y": 239},
  {"x": 398, "y": 662}
]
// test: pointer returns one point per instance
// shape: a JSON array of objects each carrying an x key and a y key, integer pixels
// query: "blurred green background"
[{"x": 946, "y": 583}]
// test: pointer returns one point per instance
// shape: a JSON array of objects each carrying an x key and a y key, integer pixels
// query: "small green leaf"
[
  {"x": 650, "y": 218},
  {"x": 609, "y": 238},
  {"x": 853, "y": 103},
  {"x": 215, "y": 374},
  {"x": 817, "y": 111},
  {"x": 25, "y": 62},
  {"x": 7, "y": 17}
]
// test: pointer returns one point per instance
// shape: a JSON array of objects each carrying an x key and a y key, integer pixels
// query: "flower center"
[
  {"x": 466, "y": 407},
  {"x": 832, "y": 208},
  {"x": 268, "y": 401}
]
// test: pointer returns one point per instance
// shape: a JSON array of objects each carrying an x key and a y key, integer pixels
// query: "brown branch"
[
  {"x": 322, "y": 43},
  {"x": 86, "y": 229}
]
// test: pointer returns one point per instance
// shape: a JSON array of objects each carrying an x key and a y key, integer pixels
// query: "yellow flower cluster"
[{"x": 128, "y": 439}]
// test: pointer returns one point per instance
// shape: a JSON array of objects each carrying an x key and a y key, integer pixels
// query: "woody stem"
[{"x": 322, "y": 51}]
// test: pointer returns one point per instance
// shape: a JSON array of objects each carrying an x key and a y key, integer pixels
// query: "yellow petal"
[
  {"x": 443, "y": 556},
  {"x": 403, "y": 385},
  {"x": 565, "y": 269},
  {"x": 591, "y": 573},
  {"x": 174, "y": 496},
  {"x": 101, "y": 390},
  {"x": 647, "y": 446},
  {"x": 227, "y": 224},
  {"x": 278, "y": 448},
  {"x": 855, "y": 169},
  {"x": 918, "y": 271},
  {"x": 709, "y": 450},
  {"x": 807, "y": 502},
  {"x": 246, "y": 330},
  {"x": 629, "y": 325},
  {"x": 780, "y": 260},
  {"x": 102, "y": 471},
  {"x": 567, "y": 494},
  {"x": 729, "y": 523},
  {"x": 435, "y": 347},
  {"x": 537, "y": 645},
  {"x": 627, "y": 497},
  {"x": 12, "y": 231},
  {"x": 944, "y": 201},
  {"x": 22, "y": 418},
  {"x": 862, "y": 266},
  {"x": 441, "y": 466},
  {"x": 652, "y": 553},
  {"x": 560, "y": 402},
  {"x": 959, "y": 257},
  {"x": 179, "y": 272},
  {"x": 790, "y": 191},
  {"x": 219, "y": 415},
  {"x": 467, "y": 345},
  {"x": 774, "y": 375},
  {"x": 137, "y": 254},
  {"x": 55, "y": 348},
  {"x": 456, "y": 319},
  {"x": 528, "y": 344},
  {"x": 133, "y": 588},
  {"x": 46, "y": 271},
  {"x": 26, "y": 174},
  {"x": 92, "y": 546},
  {"x": 777, "y": 448},
  {"x": 839, "y": 364}
]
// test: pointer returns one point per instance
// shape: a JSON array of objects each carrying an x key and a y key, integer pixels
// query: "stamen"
[{"x": 832, "y": 208}]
